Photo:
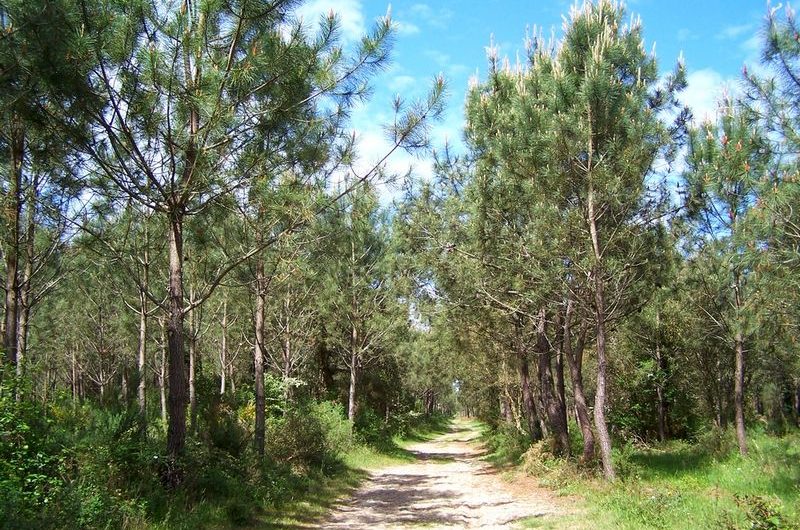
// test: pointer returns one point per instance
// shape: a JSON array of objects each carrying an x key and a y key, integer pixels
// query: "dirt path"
[{"x": 448, "y": 486}]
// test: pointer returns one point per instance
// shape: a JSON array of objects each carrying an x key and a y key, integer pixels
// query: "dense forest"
[{"x": 205, "y": 299}]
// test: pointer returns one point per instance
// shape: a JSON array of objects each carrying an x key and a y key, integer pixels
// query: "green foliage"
[
  {"x": 716, "y": 442},
  {"x": 507, "y": 444},
  {"x": 315, "y": 435},
  {"x": 371, "y": 429},
  {"x": 761, "y": 513},
  {"x": 29, "y": 463}
]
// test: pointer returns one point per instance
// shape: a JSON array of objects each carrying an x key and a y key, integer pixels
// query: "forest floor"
[{"x": 449, "y": 485}]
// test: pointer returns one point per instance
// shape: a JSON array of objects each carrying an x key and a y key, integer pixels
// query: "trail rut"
[{"x": 447, "y": 486}]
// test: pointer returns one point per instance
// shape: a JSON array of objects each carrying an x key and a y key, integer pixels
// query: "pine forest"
[{"x": 216, "y": 314}]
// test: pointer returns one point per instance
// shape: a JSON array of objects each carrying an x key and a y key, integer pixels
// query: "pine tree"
[
  {"x": 726, "y": 163},
  {"x": 577, "y": 131}
]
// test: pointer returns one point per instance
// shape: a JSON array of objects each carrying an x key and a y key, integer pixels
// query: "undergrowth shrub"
[
  {"x": 29, "y": 464},
  {"x": 506, "y": 443},
  {"x": 716, "y": 442},
  {"x": 538, "y": 459},
  {"x": 312, "y": 435},
  {"x": 760, "y": 513},
  {"x": 337, "y": 430},
  {"x": 644, "y": 506},
  {"x": 371, "y": 429}
]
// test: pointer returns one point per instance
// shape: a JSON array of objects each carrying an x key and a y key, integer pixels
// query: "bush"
[
  {"x": 372, "y": 430},
  {"x": 314, "y": 435},
  {"x": 761, "y": 513},
  {"x": 716, "y": 442},
  {"x": 538, "y": 459},
  {"x": 337, "y": 431},
  {"x": 29, "y": 464},
  {"x": 507, "y": 443},
  {"x": 240, "y": 513}
]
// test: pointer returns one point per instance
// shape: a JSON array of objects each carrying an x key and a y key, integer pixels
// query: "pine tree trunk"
[
  {"x": 354, "y": 338},
  {"x": 323, "y": 356},
  {"x": 351, "y": 395},
  {"x": 662, "y": 402},
  {"x": 741, "y": 436},
  {"x": 12, "y": 219},
  {"x": 176, "y": 430},
  {"x": 738, "y": 378},
  {"x": 600, "y": 320},
  {"x": 557, "y": 427},
  {"x": 141, "y": 365},
  {"x": 258, "y": 357},
  {"x": 162, "y": 376},
  {"x": 581, "y": 409},
  {"x": 286, "y": 349},
  {"x": 797, "y": 402},
  {"x": 561, "y": 393},
  {"x": 506, "y": 410},
  {"x": 74, "y": 370},
  {"x": 531, "y": 414},
  {"x": 192, "y": 369},
  {"x": 223, "y": 354},
  {"x": 27, "y": 274},
  {"x": 142, "y": 357}
]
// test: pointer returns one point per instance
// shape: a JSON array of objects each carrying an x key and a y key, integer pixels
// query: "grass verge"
[{"x": 675, "y": 485}]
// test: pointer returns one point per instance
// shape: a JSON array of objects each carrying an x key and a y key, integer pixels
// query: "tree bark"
[
  {"x": 738, "y": 377},
  {"x": 600, "y": 321},
  {"x": 223, "y": 354},
  {"x": 286, "y": 351},
  {"x": 354, "y": 336},
  {"x": 351, "y": 394},
  {"x": 323, "y": 359},
  {"x": 662, "y": 403},
  {"x": 192, "y": 368},
  {"x": 561, "y": 394},
  {"x": 741, "y": 436},
  {"x": 12, "y": 218},
  {"x": 557, "y": 427},
  {"x": 25, "y": 299},
  {"x": 531, "y": 414},
  {"x": 162, "y": 375},
  {"x": 575, "y": 360},
  {"x": 142, "y": 357},
  {"x": 258, "y": 356},
  {"x": 797, "y": 402},
  {"x": 176, "y": 430}
]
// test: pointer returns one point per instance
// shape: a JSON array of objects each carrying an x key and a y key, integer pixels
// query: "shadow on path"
[{"x": 447, "y": 485}]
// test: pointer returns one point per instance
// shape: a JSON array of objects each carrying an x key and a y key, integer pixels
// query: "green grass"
[
  {"x": 365, "y": 458},
  {"x": 681, "y": 486}
]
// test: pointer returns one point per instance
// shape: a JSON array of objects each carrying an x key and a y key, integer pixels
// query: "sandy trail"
[{"x": 448, "y": 486}]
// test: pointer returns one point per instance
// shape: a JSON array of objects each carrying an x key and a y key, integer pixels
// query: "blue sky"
[{"x": 450, "y": 37}]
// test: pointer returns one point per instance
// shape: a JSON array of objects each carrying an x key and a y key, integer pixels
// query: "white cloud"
[
  {"x": 440, "y": 58},
  {"x": 401, "y": 82},
  {"x": 373, "y": 145},
  {"x": 422, "y": 10},
  {"x": 703, "y": 92},
  {"x": 751, "y": 49},
  {"x": 732, "y": 32},
  {"x": 405, "y": 28},
  {"x": 434, "y": 17},
  {"x": 685, "y": 34},
  {"x": 349, "y": 13}
]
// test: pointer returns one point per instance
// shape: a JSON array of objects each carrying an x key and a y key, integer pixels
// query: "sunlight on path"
[{"x": 449, "y": 486}]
